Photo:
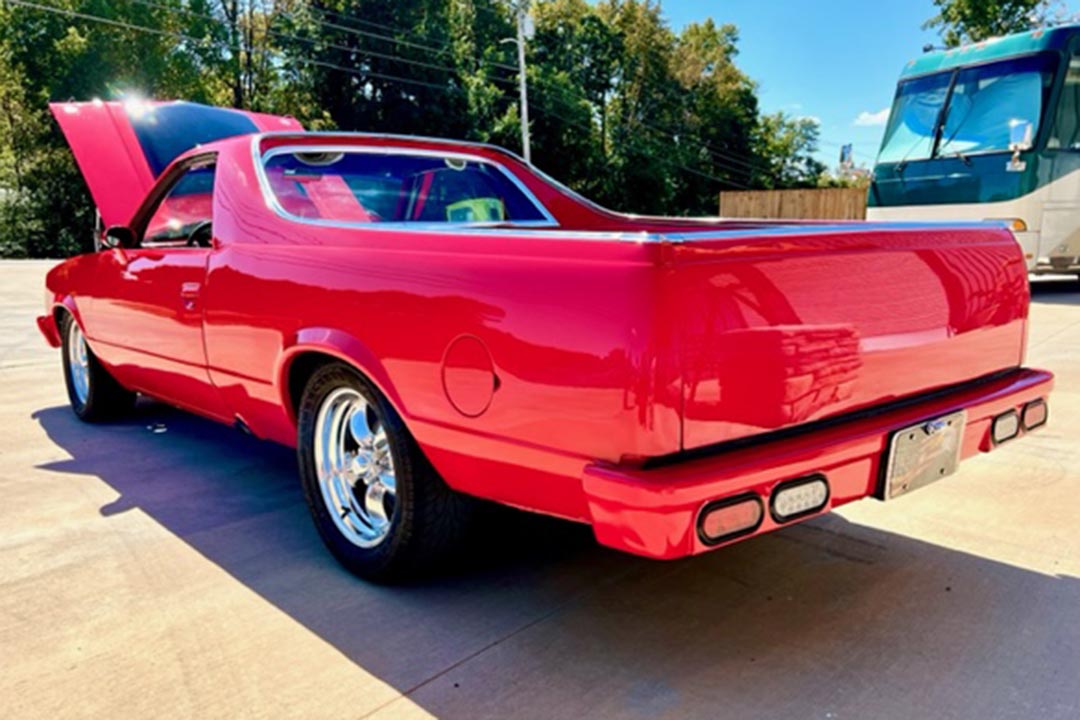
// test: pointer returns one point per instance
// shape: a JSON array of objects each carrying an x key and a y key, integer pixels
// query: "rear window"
[
  {"x": 166, "y": 130},
  {"x": 397, "y": 186}
]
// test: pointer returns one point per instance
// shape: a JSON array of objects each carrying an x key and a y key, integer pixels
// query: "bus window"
[
  {"x": 912, "y": 123},
  {"x": 1065, "y": 134},
  {"x": 988, "y": 99}
]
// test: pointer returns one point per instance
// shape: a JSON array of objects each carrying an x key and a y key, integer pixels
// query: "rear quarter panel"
[{"x": 566, "y": 327}]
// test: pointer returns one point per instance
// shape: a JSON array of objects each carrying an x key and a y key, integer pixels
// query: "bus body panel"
[{"x": 1039, "y": 186}]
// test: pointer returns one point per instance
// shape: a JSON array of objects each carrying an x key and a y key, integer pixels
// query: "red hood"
[{"x": 122, "y": 147}]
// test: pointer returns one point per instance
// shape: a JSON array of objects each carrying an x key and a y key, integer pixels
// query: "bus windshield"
[{"x": 966, "y": 110}]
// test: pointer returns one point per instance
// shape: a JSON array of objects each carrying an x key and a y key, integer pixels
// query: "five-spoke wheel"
[
  {"x": 93, "y": 392},
  {"x": 355, "y": 466},
  {"x": 377, "y": 502},
  {"x": 78, "y": 362}
]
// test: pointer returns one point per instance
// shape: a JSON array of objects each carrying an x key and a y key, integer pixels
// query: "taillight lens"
[
  {"x": 1005, "y": 427},
  {"x": 727, "y": 519},
  {"x": 796, "y": 498},
  {"x": 1035, "y": 414}
]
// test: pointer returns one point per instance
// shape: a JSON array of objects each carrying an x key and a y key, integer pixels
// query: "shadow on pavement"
[
  {"x": 1056, "y": 291},
  {"x": 826, "y": 617}
]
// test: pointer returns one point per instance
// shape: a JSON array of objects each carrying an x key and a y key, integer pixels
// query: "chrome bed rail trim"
[{"x": 540, "y": 228}]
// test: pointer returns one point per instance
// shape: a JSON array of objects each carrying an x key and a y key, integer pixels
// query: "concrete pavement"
[{"x": 166, "y": 567}]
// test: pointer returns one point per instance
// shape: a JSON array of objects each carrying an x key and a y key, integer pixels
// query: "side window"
[
  {"x": 182, "y": 218},
  {"x": 1065, "y": 134},
  {"x": 398, "y": 187}
]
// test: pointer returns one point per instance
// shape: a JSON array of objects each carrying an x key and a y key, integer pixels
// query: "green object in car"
[{"x": 476, "y": 210}]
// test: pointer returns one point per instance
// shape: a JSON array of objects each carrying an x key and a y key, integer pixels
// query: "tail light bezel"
[
  {"x": 1008, "y": 414},
  {"x": 713, "y": 505},
  {"x": 797, "y": 482},
  {"x": 1037, "y": 403}
]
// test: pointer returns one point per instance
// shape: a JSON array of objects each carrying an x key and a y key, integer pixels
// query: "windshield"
[{"x": 980, "y": 105}]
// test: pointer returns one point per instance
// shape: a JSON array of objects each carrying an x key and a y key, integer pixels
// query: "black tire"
[
  {"x": 427, "y": 520},
  {"x": 105, "y": 398}
]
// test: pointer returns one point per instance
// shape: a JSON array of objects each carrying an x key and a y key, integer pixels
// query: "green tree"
[
  {"x": 91, "y": 48},
  {"x": 786, "y": 146},
  {"x": 966, "y": 21},
  {"x": 720, "y": 113},
  {"x": 623, "y": 108}
]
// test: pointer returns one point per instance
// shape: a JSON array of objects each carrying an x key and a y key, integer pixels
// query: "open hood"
[{"x": 122, "y": 147}]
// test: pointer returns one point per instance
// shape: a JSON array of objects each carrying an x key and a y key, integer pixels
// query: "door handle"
[{"x": 189, "y": 294}]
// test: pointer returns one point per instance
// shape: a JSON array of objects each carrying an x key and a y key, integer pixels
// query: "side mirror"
[
  {"x": 1020, "y": 135},
  {"x": 118, "y": 236}
]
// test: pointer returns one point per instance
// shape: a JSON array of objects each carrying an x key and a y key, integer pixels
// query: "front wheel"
[
  {"x": 94, "y": 393},
  {"x": 377, "y": 503}
]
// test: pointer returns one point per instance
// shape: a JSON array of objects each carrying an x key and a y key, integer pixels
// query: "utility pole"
[{"x": 525, "y": 31}]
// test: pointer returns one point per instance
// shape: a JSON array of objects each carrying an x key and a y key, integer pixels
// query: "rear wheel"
[
  {"x": 377, "y": 503},
  {"x": 94, "y": 393}
]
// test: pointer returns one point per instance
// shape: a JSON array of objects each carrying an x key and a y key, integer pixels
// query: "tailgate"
[{"x": 788, "y": 326}]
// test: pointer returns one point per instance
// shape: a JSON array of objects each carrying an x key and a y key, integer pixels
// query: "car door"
[
  {"x": 147, "y": 306},
  {"x": 141, "y": 307}
]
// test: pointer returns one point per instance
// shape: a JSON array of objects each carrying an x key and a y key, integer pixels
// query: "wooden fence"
[{"x": 810, "y": 203}]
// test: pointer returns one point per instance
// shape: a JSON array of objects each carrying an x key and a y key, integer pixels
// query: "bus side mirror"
[{"x": 1020, "y": 135}]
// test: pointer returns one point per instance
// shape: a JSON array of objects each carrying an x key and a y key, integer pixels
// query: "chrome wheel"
[
  {"x": 354, "y": 466},
  {"x": 78, "y": 362}
]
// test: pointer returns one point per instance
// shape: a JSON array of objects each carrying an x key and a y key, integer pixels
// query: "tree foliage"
[
  {"x": 622, "y": 107},
  {"x": 967, "y": 21}
]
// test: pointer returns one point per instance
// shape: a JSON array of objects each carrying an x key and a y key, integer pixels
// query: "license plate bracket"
[{"x": 923, "y": 453}]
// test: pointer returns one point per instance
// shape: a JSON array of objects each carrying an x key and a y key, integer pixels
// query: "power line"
[
  {"x": 661, "y": 158},
  {"x": 299, "y": 38},
  {"x": 444, "y": 45},
  {"x": 365, "y": 74},
  {"x": 722, "y": 159},
  {"x": 727, "y": 159},
  {"x": 217, "y": 43}
]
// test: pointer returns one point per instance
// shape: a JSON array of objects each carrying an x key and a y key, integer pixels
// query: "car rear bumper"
[
  {"x": 654, "y": 511},
  {"x": 47, "y": 325}
]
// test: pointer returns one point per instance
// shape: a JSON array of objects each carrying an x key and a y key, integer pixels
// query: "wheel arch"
[
  {"x": 66, "y": 304},
  {"x": 314, "y": 347}
]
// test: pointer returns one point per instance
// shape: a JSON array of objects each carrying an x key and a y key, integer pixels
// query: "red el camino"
[{"x": 430, "y": 322}]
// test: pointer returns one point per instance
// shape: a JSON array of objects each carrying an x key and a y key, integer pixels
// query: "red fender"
[{"x": 343, "y": 346}]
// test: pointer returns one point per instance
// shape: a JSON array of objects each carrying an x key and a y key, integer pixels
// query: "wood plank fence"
[{"x": 808, "y": 203}]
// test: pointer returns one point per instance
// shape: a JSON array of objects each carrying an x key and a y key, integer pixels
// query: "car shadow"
[
  {"x": 1056, "y": 290},
  {"x": 822, "y": 616}
]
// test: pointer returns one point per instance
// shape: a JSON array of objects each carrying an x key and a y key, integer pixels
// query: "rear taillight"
[
  {"x": 723, "y": 520},
  {"x": 1035, "y": 414},
  {"x": 1005, "y": 427},
  {"x": 796, "y": 498}
]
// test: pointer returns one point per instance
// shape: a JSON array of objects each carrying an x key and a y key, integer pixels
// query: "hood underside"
[{"x": 122, "y": 147}]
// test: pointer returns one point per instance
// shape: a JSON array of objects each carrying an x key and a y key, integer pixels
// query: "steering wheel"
[{"x": 200, "y": 235}]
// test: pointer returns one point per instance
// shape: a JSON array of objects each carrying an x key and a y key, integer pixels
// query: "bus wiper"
[{"x": 963, "y": 158}]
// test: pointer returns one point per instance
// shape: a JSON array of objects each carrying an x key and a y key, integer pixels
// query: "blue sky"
[{"x": 835, "y": 60}]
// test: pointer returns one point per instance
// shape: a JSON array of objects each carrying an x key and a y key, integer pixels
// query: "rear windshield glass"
[
  {"x": 397, "y": 187},
  {"x": 169, "y": 129}
]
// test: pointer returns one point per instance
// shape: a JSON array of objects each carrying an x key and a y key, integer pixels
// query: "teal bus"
[{"x": 990, "y": 131}]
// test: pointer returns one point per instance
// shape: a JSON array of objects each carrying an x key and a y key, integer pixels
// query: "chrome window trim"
[
  {"x": 572, "y": 194},
  {"x": 854, "y": 226},
  {"x": 551, "y": 230},
  {"x": 268, "y": 193}
]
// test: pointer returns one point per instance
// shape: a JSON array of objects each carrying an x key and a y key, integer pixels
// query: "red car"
[{"x": 430, "y": 322}]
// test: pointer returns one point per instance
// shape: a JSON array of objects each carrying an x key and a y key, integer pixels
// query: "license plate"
[{"x": 923, "y": 453}]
